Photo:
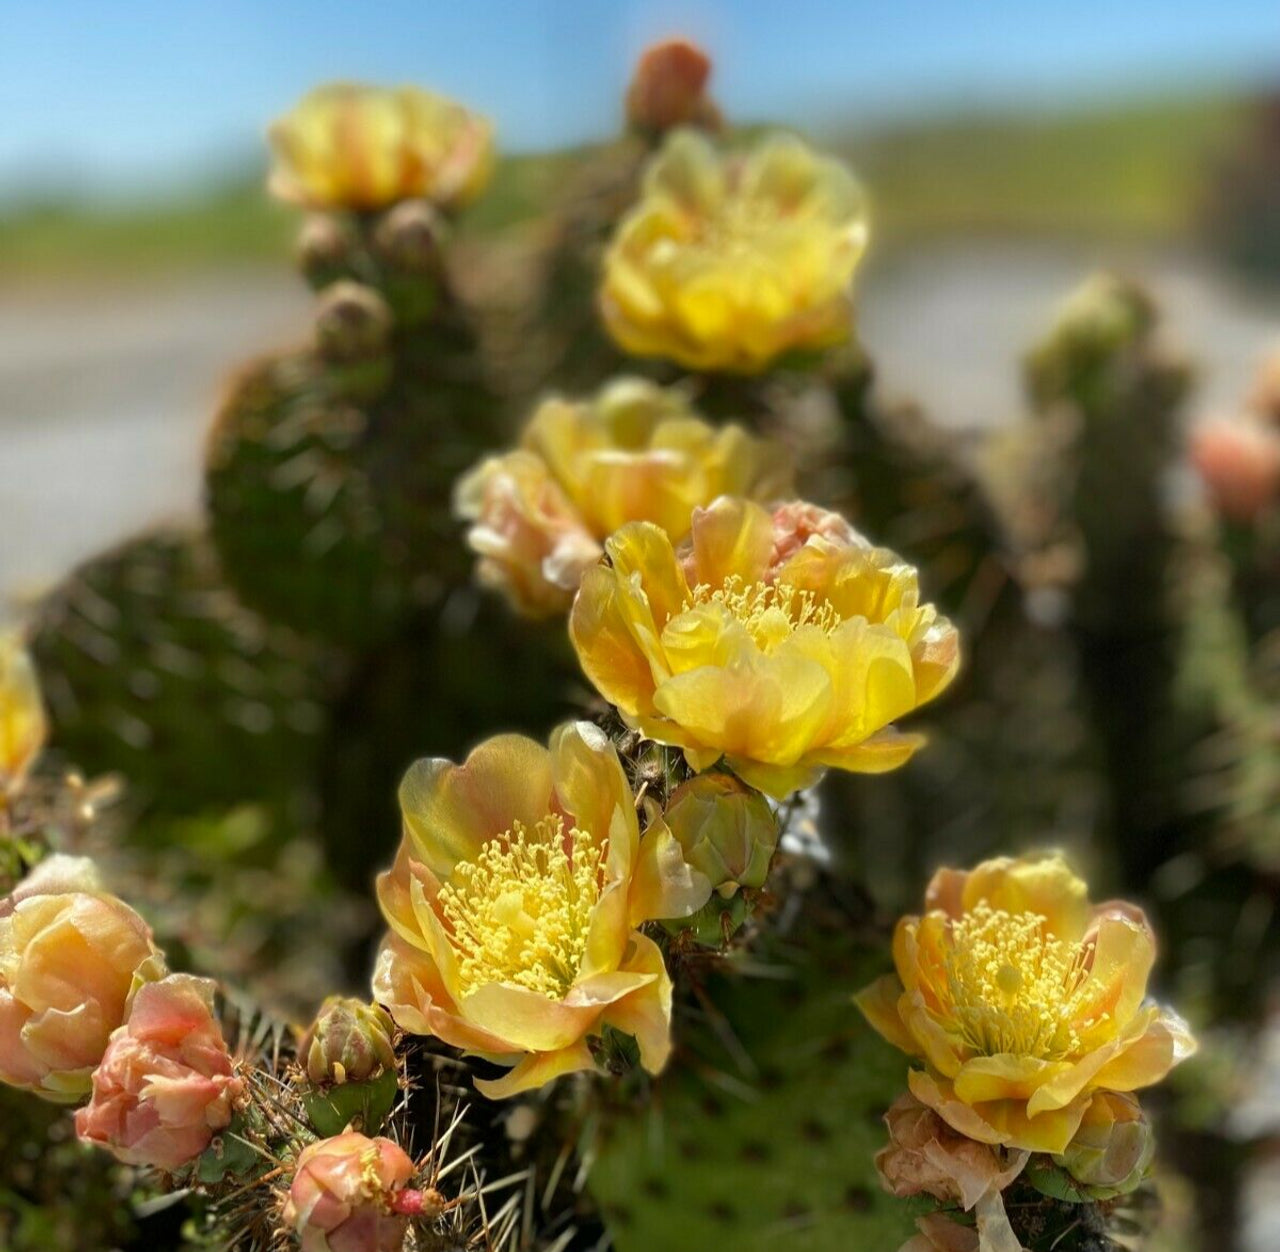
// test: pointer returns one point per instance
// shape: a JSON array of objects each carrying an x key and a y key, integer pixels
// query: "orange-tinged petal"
[
  {"x": 610, "y": 653},
  {"x": 1166, "y": 1042}
]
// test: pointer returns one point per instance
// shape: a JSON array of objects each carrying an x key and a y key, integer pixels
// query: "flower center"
[
  {"x": 769, "y": 611},
  {"x": 520, "y": 912},
  {"x": 1016, "y": 988}
]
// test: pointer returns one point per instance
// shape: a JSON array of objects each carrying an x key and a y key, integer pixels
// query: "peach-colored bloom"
[
  {"x": 166, "y": 1082},
  {"x": 1239, "y": 462},
  {"x": 728, "y": 262},
  {"x": 348, "y": 146},
  {"x": 632, "y": 452},
  {"x": 22, "y": 719},
  {"x": 514, "y": 905},
  {"x": 1020, "y": 1001},
  {"x": 72, "y": 958},
  {"x": 669, "y": 88},
  {"x": 783, "y": 668},
  {"x": 341, "y": 1196}
]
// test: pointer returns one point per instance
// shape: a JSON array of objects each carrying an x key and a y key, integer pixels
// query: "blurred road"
[{"x": 105, "y": 394}]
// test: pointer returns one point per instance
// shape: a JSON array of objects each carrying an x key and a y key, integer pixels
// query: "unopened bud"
[
  {"x": 726, "y": 830},
  {"x": 1112, "y": 1150},
  {"x": 408, "y": 237},
  {"x": 669, "y": 88},
  {"x": 324, "y": 249},
  {"x": 349, "y": 1041},
  {"x": 353, "y": 323}
]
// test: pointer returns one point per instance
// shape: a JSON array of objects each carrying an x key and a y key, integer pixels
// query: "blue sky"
[{"x": 121, "y": 94}]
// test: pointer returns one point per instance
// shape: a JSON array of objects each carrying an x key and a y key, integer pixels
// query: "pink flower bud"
[
  {"x": 1239, "y": 462},
  {"x": 343, "y": 1193},
  {"x": 166, "y": 1082},
  {"x": 71, "y": 959}
]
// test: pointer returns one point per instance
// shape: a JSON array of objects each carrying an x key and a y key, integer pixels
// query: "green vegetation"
[{"x": 1130, "y": 169}]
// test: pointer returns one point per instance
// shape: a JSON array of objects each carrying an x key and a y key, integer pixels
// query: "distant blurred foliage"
[{"x": 261, "y": 685}]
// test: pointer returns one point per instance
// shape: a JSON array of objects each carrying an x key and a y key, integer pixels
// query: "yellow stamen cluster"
[
  {"x": 769, "y": 611},
  {"x": 1015, "y": 987},
  {"x": 520, "y": 912}
]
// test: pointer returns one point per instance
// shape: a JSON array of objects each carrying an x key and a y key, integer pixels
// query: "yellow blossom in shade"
[
  {"x": 23, "y": 725},
  {"x": 729, "y": 261},
  {"x": 783, "y": 642},
  {"x": 514, "y": 904},
  {"x": 633, "y": 452},
  {"x": 348, "y": 146},
  {"x": 1021, "y": 1002}
]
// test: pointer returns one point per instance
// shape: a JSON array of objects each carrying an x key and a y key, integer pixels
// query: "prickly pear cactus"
[
  {"x": 764, "y": 1131},
  {"x": 154, "y": 669},
  {"x": 330, "y": 471}
]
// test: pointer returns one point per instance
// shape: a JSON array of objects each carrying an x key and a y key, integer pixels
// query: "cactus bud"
[
  {"x": 408, "y": 237},
  {"x": 726, "y": 830},
  {"x": 343, "y": 1195},
  {"x": 669, "y": 89},
  {"x": 353, "y": 323},
  {"x": 349, "y": 1041},
  {"x": 324, "y": 249},
  {"x": 1112, "y": 1150}
]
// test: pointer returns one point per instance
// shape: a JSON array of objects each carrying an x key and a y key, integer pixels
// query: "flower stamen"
[
  {"x": 1016, "y": 987},
  {"x": 769, "y": 611},
  {"x": 521, "y": 911}
]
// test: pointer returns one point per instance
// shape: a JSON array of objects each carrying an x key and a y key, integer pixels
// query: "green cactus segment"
[
  {"x": 152, "y": 668},
  {"x": 292, "y": 508},
  {"x": 330, "y": 472},
  {"x": 776, "y": 1148}
]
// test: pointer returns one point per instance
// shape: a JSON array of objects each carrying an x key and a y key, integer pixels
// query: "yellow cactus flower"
[
  {"x": 784, "y": 643},
  {"x": 1021, "y": 1002},
  {"x": 514, "y": 904},
  {"x": 23, "y": 725},
  {"x": 347, "y": 146},
  {"x": 727, "y": 262},
  {"x": 633, "y": 452}
]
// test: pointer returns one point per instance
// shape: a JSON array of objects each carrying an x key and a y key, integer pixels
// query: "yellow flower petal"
[
  {"x": 536, "y": 1070},
  {"x": 450, "y": 810}
]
